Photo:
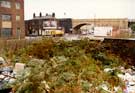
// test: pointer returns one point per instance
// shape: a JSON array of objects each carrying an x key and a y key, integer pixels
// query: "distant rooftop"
[
  {"x": 46, "y": 16},
  {"x": 43, "y": 17}
]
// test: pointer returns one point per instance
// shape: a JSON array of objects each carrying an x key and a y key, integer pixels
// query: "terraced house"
[{"x": 12, "y": 19}]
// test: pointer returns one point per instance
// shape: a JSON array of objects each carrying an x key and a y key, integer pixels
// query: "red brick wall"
[{"x": 13, "y": 11}]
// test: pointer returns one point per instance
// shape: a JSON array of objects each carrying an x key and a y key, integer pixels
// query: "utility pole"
[
  {"x": 94, "y": 23},
  {"x": 94, "y": 19}
]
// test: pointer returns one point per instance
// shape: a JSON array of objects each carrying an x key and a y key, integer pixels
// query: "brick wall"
[
  {"x": 13, "y": 12},
  {"x": 115, "y": 23}
]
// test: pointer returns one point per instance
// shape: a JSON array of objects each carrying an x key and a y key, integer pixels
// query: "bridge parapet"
[{"x": 116, "y": 23}]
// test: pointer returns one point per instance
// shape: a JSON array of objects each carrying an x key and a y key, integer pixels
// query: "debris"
[
  {"x": 2, "y": 61},
  {"x": 19, "y": 67}
]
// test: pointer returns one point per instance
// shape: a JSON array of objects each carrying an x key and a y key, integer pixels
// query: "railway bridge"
[{"x": 115, "y": 23}]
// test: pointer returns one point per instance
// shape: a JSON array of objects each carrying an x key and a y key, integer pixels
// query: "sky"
[{"x": 80, "y": 9}]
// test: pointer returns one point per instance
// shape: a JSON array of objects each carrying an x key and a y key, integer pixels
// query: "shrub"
[{"x": 42, "y": 49}]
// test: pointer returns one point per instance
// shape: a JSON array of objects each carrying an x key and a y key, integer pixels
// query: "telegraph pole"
[{"x": 94, "y": 23}]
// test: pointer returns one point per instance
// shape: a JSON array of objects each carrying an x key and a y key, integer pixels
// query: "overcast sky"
[{"x": 82, "y": 8}]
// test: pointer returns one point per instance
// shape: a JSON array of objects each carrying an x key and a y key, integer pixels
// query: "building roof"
[{"x": 44, "y": 17}]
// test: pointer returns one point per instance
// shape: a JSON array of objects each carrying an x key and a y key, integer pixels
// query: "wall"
[
  {"x": 115, "y": 23},
  {"x": 125, "y": 48}
]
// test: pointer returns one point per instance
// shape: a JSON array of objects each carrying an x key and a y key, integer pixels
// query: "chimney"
[
  {"x": 40, "y": 14},
  {"x": 53, "y": 14},
  {"x": 46, "y": 14},
  {"x": 34, "y": 15}
]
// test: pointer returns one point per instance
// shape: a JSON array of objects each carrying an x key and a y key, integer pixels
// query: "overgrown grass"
[{"x": 67, "y": 67}]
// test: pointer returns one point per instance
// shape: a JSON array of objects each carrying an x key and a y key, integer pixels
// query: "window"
[
  {"x": 17, "y": 18},
  {"x": 5, "y": 4},
  {"x": 6, "y": 17},
  {"x": 6, "y": 32},
  {"x": 18, "y": 5},
  {"x": 18, "y": 33}
]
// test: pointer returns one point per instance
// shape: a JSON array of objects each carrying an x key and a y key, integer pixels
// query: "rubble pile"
[
  {"x": 128, "y": 76},
  {"x": 6, "y": 74}
]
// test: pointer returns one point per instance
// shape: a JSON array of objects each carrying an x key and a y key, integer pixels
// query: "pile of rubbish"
[
  {"x": 128, "y": 76},
  {"x": 8, "y": 74}
]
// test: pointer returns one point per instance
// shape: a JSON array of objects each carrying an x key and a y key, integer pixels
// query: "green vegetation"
[
  {"x": 133, "y": 27},
  {"x": 67, "y": 67},
  {"x": 58, "y": 66}
]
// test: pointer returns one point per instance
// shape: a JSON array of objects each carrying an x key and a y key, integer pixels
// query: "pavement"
[{"x": 70, "y": 37}]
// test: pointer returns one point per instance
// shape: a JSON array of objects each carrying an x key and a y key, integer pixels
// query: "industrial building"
[
  {"x": 12, "y": 19},
  {"x": 48, "y": 24}
]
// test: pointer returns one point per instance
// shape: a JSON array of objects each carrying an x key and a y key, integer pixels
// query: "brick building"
[
  {"x": 12, "y": 19},
  {"x": 43, "y": 24}
]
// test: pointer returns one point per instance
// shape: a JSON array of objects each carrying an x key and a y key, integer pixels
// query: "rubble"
[
  {"x": 19, "y": 67},
  {"x": 128, "y": 77},
  {"x": 2, "y": 61},
  {"x": 7, "y": 73}
]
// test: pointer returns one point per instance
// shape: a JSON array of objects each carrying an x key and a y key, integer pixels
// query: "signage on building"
[{"x": 50, "y": 24}]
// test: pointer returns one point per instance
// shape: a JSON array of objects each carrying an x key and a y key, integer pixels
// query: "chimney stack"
[
  {"x": 53, "y": 14},
  {"x": 40, "y": 14},
  {"x": 34, "y": 15},
  {"x": 46, "y": 14}
]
